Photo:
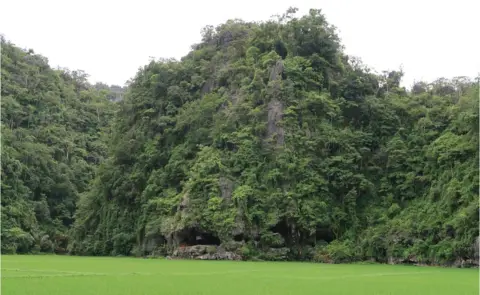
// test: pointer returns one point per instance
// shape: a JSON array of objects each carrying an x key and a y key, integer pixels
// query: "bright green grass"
[{"x": 63, "y": 275}]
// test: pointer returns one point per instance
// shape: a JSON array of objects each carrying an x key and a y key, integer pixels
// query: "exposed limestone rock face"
[
  {"x": 220, "y": 256},
  {"x": 275, "y": 113},
  {"x": 275, "y": 106},
  {"x": 226, "y": 188},
  {"x": 276, "y": 72},
  {"x": 239, "y": 224},
  {"x": 208, "y": 86},
  {"x": 205, "y": 252}
]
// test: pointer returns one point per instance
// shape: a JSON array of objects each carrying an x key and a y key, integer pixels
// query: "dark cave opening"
[
  {"x": 192, "y": 237},
  {"x": 284, "y": 230},
  {"x": 281, "y": 228},
  {"x": 207, "y": 239},
  {"x": 239, "y": 238},
  {"x": 324, "y": 234}
]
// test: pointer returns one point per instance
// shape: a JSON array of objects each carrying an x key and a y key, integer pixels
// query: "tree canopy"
[{"x": 54, "y": 134}]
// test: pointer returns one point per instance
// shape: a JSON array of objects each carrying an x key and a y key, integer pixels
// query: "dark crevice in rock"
[
  {"x": 192, "y": 237},
  {"x": 324, "y": 234},
  {"x": 207, "y": 239},
  {"x": 281, "y": 228},
  {"x": 239, "y": 238}
]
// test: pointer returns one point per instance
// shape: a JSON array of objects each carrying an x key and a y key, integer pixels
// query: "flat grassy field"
[{"x": 63, "y": 275}]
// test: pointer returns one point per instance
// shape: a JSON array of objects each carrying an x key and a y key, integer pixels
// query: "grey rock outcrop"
[
  {"x": 205, "y": 252},
  {"x": 275, "y": 106}
]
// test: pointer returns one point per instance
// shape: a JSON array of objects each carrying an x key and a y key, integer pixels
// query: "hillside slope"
[
  {"x": 53, "y": 136},
  {"x": 268, "y": 142},
  {"x": 266, "y": 138}
]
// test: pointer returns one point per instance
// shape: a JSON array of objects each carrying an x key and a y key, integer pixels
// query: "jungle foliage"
[{"x": 54, "y": 133}]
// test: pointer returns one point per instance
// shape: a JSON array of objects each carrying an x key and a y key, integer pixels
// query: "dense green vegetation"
[
  {"x": 54, "y": 131},
  {"x": 59, "y": 275},
  {"x": 266, "y": 139}
]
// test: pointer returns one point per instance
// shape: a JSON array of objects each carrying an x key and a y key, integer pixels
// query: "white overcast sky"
[{"x": 110, "y": 40}]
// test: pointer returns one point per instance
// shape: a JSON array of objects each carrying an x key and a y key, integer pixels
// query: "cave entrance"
[
  {"x": 281, "y": 228},
  {"x": 239, "y": 238},
  {"x": 207, "y": 239},
  {"x": 284, "y": 230},
  {"x": 324, "y": 234},
  {"x": 192, "y": 237}
]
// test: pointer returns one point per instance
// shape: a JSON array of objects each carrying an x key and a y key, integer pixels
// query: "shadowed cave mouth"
[
  {"x": 239, "y": 238},
  {"x": 192, "y": 237},
  {"x": 324, "y": 234}
]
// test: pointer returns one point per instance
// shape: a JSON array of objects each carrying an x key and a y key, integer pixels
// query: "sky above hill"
[{"x": 110, "y": 40}]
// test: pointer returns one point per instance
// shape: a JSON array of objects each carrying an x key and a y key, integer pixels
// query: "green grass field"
[{"x": 62, "y": 275}]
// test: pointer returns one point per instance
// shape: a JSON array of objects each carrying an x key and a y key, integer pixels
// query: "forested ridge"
[
  {"x": 265, "y": 142},
  {"x": 54, "y": 132}
]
